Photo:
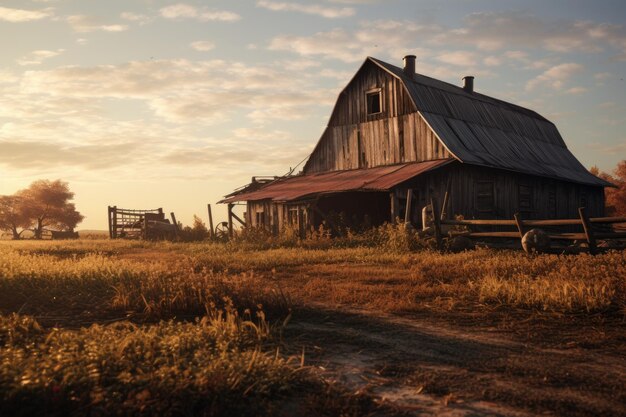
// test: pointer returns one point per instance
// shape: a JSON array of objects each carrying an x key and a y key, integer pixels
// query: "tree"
[
  {"x": 197, "y": 232},
  {"x": 12, "y": 215},
  {"x": 615, "y": 197},
  {"x": 46, "y": 204}
]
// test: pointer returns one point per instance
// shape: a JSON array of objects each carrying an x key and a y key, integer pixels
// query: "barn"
[{"x": 395, "y": 134}]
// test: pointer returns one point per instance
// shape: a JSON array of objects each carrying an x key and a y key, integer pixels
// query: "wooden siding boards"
[{"x": 474, "y": 128}]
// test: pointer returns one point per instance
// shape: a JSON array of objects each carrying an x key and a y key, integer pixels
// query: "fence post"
[
  {"x": 520, "y": 224},
  {"x": 591, "y": 240},
  {"x": 436, "y": 223},
  {"x": 110, "y": 222},
  {"x": 211, "y": 229}
]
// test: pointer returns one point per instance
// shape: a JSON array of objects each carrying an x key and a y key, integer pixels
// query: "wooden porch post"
[
  {"x": 407, "y": 212},
  {"x": 394, "y": 206},
  {"x": 230, "y": 219}
]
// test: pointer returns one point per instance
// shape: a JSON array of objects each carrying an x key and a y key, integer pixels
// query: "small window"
[
  {"x": 260, "y": 218},
  {"x": 525, "y": 198},
  {"x": 292, "y": 215},
  {"x": 484, "y": 196},
  {"x": 373, "y": 102}
]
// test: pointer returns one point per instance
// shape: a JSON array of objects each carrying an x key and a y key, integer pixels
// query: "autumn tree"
[
  {"x": 12, "y": 216},
  {"x": 615, "y": 197},
  {"x": 47, "y": 204}
]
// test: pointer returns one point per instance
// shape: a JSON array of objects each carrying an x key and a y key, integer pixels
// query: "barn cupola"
[
  {"x": 468, "y": 83},
  {"x": 409, "y": 66}
]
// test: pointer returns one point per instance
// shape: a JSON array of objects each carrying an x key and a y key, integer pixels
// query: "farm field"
[{"x": 105, "y": 327}]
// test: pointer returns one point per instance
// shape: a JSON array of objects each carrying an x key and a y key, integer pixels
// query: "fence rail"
[{"x": 590, "y": 231}]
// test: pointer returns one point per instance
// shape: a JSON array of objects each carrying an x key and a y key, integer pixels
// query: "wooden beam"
[
  {"x": 211, "y": 229},
  {"x": 243, "y": 223},
  {"x": 446, "y": 199},
  {"x": 409, "y": 200},
  {"x": 394, "y": 206},
  {"x": 520, "y": 224},
  {"x": 436, "y": 223},
  {"x": 173, "y": 216},
  {"x": 115, "y": 222},
  {"x": 230, "y": 220},
  {"x": 110, "y": 222},
  {"x": 591, "y": 240}
]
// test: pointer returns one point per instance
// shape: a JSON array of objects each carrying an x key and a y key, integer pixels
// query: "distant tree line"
[
  {"x": 615, "y": 197},
  {"x": 44, "y": 205}
]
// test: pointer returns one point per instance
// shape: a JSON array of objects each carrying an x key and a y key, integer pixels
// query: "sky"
[{"x": 149, "y": 103}]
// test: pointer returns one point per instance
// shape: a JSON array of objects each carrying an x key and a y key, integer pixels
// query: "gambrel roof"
[{"x": 481, "y": 130}]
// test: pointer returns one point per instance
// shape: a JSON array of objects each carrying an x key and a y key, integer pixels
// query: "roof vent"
[
  {"x": 468, "y": 83},
  {"x": 409, "y": 66}
]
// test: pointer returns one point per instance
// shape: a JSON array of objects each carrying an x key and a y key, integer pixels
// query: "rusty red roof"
[{"x": 370, "y": 179}]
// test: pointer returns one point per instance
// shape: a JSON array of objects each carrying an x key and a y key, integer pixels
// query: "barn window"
[
  {"x": 583, "y": 199},
  {"x": 525, "y": 198},
  {"x": 484, "y": 196},
  {"x": 374, "y": 103},
  {"x": 260, "y": 218},
  {"x": 292, "y": 215}
]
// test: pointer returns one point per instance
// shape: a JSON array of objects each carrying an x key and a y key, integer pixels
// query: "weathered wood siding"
[
  {"x": 354, "y": 139},
  {"x": 276, "y": 216},
  {"x": 549, "y": 199}
]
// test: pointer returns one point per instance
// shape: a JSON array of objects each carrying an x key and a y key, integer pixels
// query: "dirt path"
[{"x": 440, "y": 370}]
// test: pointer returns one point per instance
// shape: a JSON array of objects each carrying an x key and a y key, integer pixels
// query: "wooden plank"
[
  {"x": 513, "y": 235},
  {"x": 243, "y": 223},
  {"x": 480, "y": 222},
  {"x": 608, "y": 220},
  {"x": 436, "y": 222},
  {"x": 591, "y": 240},
  {"x": 520, "y": 225},
  {"x": 409, "y": 200},
  {"x": 230, "y": 219}
]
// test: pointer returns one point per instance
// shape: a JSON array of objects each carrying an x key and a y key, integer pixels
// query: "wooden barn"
[{"x": 393, "y": 130}]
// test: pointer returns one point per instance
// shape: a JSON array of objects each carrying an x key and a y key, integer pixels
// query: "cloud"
[
  {"x": 37, "y": 57},
  {"x": 576, "y": 90},
  {"x": 21, "y": 15},
  {"x": 186, "y": 11},
  {"x": 142, "y": 19},
  {"x": 459, "y": 58},
  {"x": 493, "y": 31},
  {"x": 33, "y": 154},
  {"x": 316, "y": 9},
  {"x": 202, "y": 46},
  {"x": 393, "y": 37},
  {"x": 81, "y": 23},
  {"x": 554, "y": 77}
]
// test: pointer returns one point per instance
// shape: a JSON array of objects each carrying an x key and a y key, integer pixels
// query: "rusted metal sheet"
[
  {"x": 372, "y": 179},
  {"x": 481, "y": 130}
]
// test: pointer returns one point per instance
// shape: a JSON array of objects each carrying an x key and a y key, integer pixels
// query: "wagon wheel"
[{"x": 222, "y": 232}]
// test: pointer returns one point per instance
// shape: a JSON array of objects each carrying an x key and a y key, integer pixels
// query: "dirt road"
[{"x": 426, "y": 369}]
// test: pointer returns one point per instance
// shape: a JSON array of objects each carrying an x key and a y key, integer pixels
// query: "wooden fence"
[{"x": 592, "y": 229}]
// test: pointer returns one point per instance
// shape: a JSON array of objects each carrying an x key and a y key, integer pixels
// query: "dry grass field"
[{"x": 103, "y": 327}]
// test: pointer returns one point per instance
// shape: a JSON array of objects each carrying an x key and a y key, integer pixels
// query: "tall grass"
[{"x": 213, "y": 366}]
